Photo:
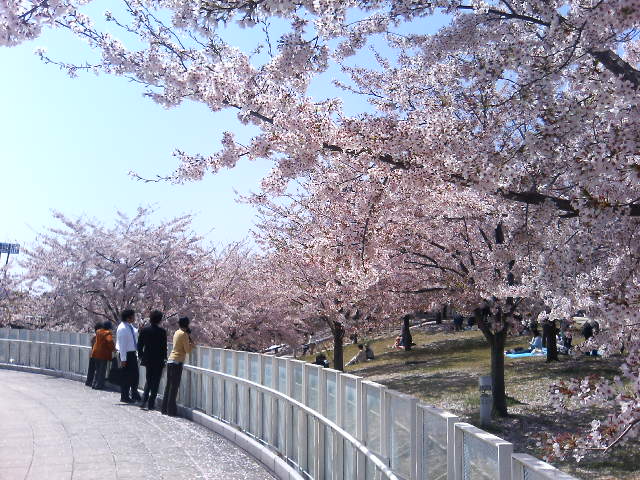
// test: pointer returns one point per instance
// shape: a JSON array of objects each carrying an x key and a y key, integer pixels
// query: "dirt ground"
[{"x": 443, "y": 370}]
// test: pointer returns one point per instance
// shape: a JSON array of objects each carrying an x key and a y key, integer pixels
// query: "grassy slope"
[{"x": 443, "y": 369}]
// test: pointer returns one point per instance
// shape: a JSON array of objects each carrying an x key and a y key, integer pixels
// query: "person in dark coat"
[
  {"x": 321, "y": 359},
  {"x": 587, "y": 330},
  {"x": 152, "y": 351},
  {"x": 458, "y": 320}
]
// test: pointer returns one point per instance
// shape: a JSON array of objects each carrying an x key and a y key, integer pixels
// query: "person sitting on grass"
[
  {"x": 536, "y": 341},
  {"x": 360, "y": 357},
  {"x": 534, "y": 345},
  {"x": 369, "y": 352},
  {"x": 321, "y": 359}
]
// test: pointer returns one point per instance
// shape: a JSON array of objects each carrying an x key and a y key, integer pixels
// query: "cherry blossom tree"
[
  {"x": 15, "y": 304},
  {"x": 84, "y": 271},
  {"x": 530, "y": 107},
  {"x": 313, "y": 272}
]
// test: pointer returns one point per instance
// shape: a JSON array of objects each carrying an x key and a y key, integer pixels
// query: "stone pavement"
[{"x": 52, "y": 428}]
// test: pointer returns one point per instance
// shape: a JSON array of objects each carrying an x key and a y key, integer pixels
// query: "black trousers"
[
  {"x": 174, "y": 374},
  {"x": 154, "y": 374},
  {"x": 130, "y": 378},
  {"x": 91, "y": 371},
  {"x": 101, "y": 373}
]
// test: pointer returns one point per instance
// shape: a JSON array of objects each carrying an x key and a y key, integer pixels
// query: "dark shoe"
[
  {"x": 143, "y": 406},
  {"x": 137, "y": 399},
  {"x": 126, "y": 400}
]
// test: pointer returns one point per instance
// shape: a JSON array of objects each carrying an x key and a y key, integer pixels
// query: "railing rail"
[{"x": 327, "y": 424}]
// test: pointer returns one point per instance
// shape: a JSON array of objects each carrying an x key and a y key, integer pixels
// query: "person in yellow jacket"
[{"x": 182, "y": 345}]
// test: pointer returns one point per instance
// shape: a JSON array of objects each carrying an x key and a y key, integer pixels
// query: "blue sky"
[{"x": 68, "y": 145}]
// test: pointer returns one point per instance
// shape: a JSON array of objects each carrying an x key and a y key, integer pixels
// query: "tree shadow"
[{"x": 440, "y": 383}]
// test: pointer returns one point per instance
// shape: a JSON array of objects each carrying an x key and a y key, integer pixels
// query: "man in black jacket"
[{"x": 152, "y": 350}]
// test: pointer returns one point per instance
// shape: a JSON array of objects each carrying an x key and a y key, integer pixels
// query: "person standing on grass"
[
  {"x": 182, "y": 346},
  {"x": 152, "y": 350},
  {"x": 91, "y": 370},
  {"x": 102, "y": 353},
  {"x": 127, "y": 345}
]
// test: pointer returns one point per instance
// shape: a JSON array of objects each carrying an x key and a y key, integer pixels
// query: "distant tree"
[{"x": 84, "y": 271}]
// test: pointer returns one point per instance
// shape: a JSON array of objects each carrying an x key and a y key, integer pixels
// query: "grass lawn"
[{"x": 443, "y": 368}]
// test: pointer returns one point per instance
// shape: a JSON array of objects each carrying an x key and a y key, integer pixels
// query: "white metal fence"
[{"x": 326, "y": 424}]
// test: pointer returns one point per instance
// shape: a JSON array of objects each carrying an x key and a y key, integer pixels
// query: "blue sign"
[{"x": 10, "y": 248}]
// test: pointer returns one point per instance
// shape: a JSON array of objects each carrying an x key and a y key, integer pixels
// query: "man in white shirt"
[{"x": 127, "y": 346}]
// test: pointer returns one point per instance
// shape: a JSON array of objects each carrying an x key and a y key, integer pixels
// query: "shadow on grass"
[
  {"x": 567, "y": 367},
  {"x": 434, "y": 386}
]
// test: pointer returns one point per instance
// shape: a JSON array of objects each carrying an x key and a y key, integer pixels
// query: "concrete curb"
[{"x": 271, "y": 460}]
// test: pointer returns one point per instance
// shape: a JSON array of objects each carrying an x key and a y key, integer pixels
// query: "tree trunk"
[
  {"x": 406, "y": 340},
  {"x": 497, "y": 374},
  {"x": 497, "y": 341},
  {"x": 338, "y": 353},
  {"x": 549, "y": 332}
]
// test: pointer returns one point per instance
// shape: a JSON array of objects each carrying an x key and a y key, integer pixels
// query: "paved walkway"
[{"x": 52, "y": 428}]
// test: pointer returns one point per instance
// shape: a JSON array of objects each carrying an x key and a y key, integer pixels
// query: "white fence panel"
[
  {"x": 327, "y": 424},
  {"x": 481, "y": 455},
  {"x": 526, "y": 467}
]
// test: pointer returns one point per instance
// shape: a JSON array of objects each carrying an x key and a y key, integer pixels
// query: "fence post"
[
  {"x": 340, "y": 400},
  {"x": 413, "y": 421},
  {"x": 274, "y": 401},
  {"x": 385, "y": 430},
  {"x": 517, "y": 470},
  {"x": 288, "y": 412},
  {"x": 322, "y": 402},
  {"x": 419, "y": 429},
  {"x": 361, "y": 407},
  {"x": 338, "y": 456},
  {"x": 303, "y": 426},
  {"x": 451, "y": 446},
  {"x": 260, "y": 398},
  {"x": 222, "y": 414},
  {"x": 505, "y": 450},
  {"x": 318, "y": 467},
  {"x": 458, "y": 450}
]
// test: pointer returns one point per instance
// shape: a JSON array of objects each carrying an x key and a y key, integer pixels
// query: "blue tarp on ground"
[{"x": 527, "y": 354}]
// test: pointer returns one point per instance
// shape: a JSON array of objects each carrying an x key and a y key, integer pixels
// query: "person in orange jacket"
[
  {"x": 91, "y": 370},
  {"x": 102, "y": 352}
]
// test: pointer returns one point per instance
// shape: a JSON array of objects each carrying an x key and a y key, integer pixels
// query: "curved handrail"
[
  {"x": 309, "y": 411},
  {"x": 364, "y": 457},
  {"x": 301, "y": 407},
  {"x": 45, "y": 343}
]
